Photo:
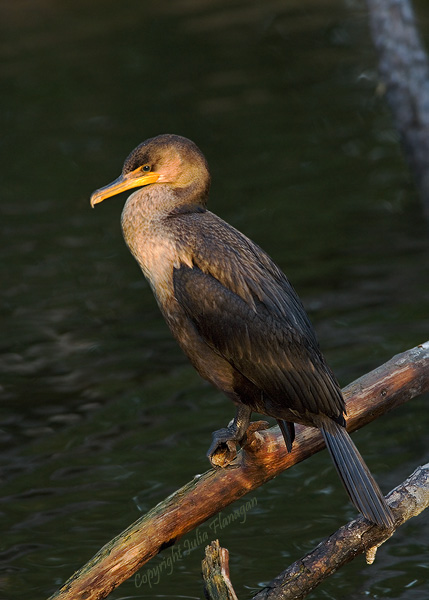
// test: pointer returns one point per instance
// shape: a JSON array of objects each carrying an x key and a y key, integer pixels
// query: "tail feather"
[
  {"x": 355, "y": 475},
  {"x": 288, "y": 431}
]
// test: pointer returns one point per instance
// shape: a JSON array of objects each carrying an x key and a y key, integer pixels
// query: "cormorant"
[{"x": 232, "y": 310}]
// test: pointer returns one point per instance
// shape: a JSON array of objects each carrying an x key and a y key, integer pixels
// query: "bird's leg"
[{"x": 223, "y": 448}]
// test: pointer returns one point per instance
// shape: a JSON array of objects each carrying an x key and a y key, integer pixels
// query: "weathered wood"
[
  {"x": 404, "y": 72},
  {"x": 215, "y": 567},
  {"x": 407, "y": 500},
  {"x": 264, "y": 456}
]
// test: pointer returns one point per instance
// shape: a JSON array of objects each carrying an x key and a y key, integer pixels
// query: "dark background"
[{"x": 101, "y": 416}]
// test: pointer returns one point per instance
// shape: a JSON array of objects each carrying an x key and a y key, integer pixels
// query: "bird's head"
[{"x": 169, "y": 160}]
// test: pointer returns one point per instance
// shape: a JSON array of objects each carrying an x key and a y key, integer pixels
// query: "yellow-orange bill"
[{"x": 124, "y": 182}]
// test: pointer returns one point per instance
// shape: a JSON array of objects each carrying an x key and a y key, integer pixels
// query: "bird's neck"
[{"x": 153, "y": 243}]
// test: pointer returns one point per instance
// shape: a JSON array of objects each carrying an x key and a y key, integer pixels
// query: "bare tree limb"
[
  {"x": 404, "y": 72},
  {"x": 407, "y": 500},
  {"x": 215, "y": 567},
  {"x": 262, "y": 458}
]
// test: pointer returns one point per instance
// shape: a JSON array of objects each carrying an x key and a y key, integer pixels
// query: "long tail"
[{"x": 355, "y": 475}]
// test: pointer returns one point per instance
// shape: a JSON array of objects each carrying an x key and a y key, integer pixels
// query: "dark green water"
[{"x": 101, "y": 417}]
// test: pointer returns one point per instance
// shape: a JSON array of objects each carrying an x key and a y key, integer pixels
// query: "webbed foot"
[{"x": 223, "y": 448}]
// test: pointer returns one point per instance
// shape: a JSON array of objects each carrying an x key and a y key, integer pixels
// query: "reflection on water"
[{"x": 101, "y": 417}]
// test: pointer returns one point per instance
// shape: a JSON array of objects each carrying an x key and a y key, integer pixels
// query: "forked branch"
[{"x": 263, "y": 457}]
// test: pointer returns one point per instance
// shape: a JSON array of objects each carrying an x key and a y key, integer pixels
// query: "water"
[{"x": 101, "y": 416}]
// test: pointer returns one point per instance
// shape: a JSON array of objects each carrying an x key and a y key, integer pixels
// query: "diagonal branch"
[
  {"x": 407, "y": 500},
  {"x": 263, "y": 457}
]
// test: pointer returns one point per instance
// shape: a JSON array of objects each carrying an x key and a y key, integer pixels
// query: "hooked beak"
[{"x": 136, "y": 178}]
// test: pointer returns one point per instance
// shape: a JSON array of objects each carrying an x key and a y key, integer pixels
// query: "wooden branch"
[
  {"x": 263, "y": 457},
  {"x": 404, "y": 72},
  {"x": 215, "y": 567},
  {"x": 407, "y": 500}
]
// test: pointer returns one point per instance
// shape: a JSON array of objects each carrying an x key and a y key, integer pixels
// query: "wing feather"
[{"x": 243, "y": 320}]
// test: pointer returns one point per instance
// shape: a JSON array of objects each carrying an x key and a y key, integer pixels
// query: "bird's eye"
[{"x": 146, "y": 168}]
